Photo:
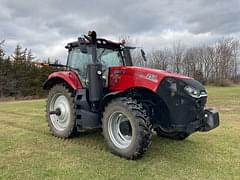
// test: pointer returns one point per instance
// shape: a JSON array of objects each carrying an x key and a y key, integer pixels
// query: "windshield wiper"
[{"x": 100, "y": 55}]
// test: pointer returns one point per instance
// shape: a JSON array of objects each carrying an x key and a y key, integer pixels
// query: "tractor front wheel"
[
  {"x": 126, "y": 128},
  {"x": 60, "y": 111}
]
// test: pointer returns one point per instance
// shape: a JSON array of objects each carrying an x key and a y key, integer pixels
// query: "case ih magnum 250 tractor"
[{"x": 100, "y": 88}]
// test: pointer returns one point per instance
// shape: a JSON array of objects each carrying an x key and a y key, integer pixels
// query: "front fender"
[
  {"x": 107, "y": 98},
  {"x": 68, "y": 77}
]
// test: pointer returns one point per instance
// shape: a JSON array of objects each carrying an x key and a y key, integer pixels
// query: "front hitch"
[{"x": 210, "y": 121}]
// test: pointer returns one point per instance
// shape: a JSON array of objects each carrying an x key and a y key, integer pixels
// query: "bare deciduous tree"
[{"x": 217, "y": 63}]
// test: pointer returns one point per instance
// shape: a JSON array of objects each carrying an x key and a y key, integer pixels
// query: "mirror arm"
[{"x": 143, "y": 55}]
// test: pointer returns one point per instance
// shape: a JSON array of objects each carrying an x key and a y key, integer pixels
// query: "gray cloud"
[{"x": 45, "y": 26}]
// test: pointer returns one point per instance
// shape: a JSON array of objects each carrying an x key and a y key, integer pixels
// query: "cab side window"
[{"x": 79, "y": 60}]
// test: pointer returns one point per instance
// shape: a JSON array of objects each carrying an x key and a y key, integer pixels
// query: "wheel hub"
[
  {"x": 59, "y": 112},
  {"x": 125, "y": 128},
  {"x": 120, "y": 130}
]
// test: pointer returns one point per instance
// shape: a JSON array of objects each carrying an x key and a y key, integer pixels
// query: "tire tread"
[
  {"x": 144, "y": 137},
  {"x": 72, "y": 131}
]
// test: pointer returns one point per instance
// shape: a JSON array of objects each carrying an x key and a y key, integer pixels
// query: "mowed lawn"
[{"x": 29, "y": 151}]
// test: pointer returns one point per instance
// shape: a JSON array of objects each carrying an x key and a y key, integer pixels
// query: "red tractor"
[{"x": 100, "y": 88}]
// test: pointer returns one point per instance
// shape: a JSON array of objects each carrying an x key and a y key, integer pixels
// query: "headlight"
[{"x": 194, "y": 92}]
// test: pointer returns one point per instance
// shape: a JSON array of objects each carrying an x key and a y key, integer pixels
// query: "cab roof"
[{"x": 101, "y": 43}]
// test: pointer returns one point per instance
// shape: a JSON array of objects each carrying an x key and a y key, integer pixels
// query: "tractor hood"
[
  {"x": 156, "y": 72},
  {"x": 125, "y": 77},
  {"x": 183, "y": 96}
]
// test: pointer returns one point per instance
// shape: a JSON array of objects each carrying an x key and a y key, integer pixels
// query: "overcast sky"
[{"x": 46, "y": 26}]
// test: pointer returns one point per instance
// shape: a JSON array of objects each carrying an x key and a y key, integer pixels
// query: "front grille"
[{"x": 200, "y": 103}]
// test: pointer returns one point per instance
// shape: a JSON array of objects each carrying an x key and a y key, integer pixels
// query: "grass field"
[{"x": 29, "y": 151}]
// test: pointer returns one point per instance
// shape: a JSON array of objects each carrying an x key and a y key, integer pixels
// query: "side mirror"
[{"x": 143, "y": 55}]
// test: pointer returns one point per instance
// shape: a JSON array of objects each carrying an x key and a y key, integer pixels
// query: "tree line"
[
  {"x": 19, "y": 76},
  {"x": 217, "y": 64}
]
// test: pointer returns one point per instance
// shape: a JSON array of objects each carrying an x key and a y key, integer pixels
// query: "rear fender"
[{"x": 68, "y": 77}]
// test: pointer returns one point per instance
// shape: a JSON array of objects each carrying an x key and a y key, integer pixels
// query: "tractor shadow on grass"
[
  {"x": 175, "y": 150},
  {"x": 161, "y": 148},
  {"x": 92, "y": 139}
]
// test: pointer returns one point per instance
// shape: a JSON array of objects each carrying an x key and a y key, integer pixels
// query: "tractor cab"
[{"x": 108, "y": 54}]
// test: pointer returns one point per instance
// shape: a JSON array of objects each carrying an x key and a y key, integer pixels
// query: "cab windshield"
[{"x": 109, "y": 57}]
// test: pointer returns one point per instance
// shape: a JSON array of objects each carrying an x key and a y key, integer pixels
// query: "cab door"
[{"x": 79, "y": 61}]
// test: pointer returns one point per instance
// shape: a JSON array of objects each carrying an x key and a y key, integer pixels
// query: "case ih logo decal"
[{"x": 151, "y": 77}]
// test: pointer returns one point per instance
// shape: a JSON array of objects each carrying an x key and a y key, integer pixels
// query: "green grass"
[{"x": 29, "y": 151}]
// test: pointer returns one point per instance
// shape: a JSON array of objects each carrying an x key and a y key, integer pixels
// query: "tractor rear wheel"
[
  {"x": 172, "y": 135},
  {"x": 60, "y": 111},
  {"x": 126, "y": 128}
]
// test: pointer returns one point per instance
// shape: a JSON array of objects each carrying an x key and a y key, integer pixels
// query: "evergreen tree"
[
  {"x": 18, "y": 75},
  {"x": 2, "y": 54},
  {"x": 30, "y": 56},
  {"x": 19, "y": 55},
  {"x": 2, "y": 73},
  {"x": 21, "y": 67}
]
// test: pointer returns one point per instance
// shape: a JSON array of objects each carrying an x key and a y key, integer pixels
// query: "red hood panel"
[
  {"x": 122, "y": 78},
  {"x": 157, "y": 72}
]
